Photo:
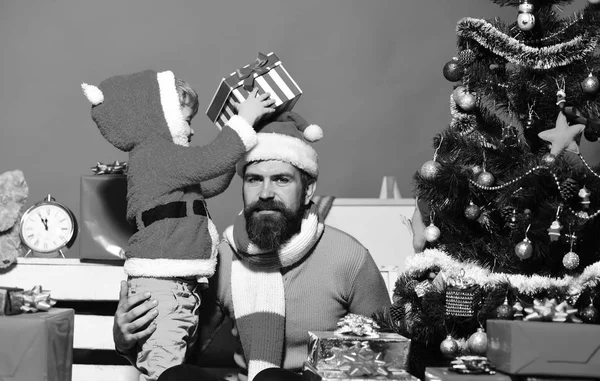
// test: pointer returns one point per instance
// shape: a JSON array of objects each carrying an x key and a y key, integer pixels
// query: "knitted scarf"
[{"x": 257, "y": 289}]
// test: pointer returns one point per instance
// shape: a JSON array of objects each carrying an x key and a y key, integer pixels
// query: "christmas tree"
[{"x": 511, "y": 209}]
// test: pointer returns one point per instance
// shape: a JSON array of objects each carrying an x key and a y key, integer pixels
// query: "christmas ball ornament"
[
  {"x": 477, "y": 342},
  {"x": 472, "y": 212},
  {"x": 466, "y": 57},
  {"x": 524, "y": 249},
  {"x": 431, "y": 233},
  {"x": 549, "y": 159},
  {"x": 449, "y": 347},
  {"x": 476, "y": 169},
  {"x": 504, "y": 311},
  {"x": 466, "y": 102},
  {"x": 590, "y": 84},
  {"x": 526, "y": 21},
  {"x": 486, "y": 179},
  {"x": 430, "y": 169},
  {"x": 571, "y": 260},
  {"x": 589, "y": 314},
  {"x": 453, "y": 70}
]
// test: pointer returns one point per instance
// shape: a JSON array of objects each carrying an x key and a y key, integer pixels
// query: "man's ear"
[{"x": 310, "y": 191}]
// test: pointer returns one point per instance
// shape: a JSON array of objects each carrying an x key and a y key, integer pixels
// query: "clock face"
[{"x": 46, "y": 228}]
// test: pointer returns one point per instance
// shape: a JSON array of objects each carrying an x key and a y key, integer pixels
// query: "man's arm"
[
  {"x": 368, "y": 293},
  {"x": 134, "y": 321}
]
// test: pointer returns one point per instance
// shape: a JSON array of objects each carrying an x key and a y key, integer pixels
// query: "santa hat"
[{"x": 287, "y": 138}]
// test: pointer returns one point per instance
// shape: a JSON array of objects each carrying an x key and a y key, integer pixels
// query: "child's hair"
[{"x": 187, "y": 96}]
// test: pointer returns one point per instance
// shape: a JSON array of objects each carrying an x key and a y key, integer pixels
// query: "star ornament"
[{"x": 562, "y": 136}]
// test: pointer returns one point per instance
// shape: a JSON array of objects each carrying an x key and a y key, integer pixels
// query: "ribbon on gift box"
[
  {"x": 260, "y": 66},
  {"x": 550, "y": 310},
  {"x": 116, "y": 168},
  {"x": 357, "y": 325},
  {"x": 460, "y": 281},
  {"x": 592, "y": 125},
  {"x": 36, "y": 299}
]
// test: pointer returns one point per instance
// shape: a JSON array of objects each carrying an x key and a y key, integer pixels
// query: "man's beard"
[{"x": 270, "y": 231}]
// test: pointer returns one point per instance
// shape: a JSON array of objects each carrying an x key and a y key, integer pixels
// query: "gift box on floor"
[
  {"x": 445, "y": 374},
  {"x": 333, "y": 355},
  {"x": 10, "y": 302},
  {"x": 37, "y": 346},
  {"x": 543, "y": 348},
  {"x": 267, "y": 74},
  {"x": 104, "y": 230},
  {"x": 311, "y": 373}
]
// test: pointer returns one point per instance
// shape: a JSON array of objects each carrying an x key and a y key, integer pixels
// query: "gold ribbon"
[
  {"x": 116, "y": 167},
  {"x": 36, "y": 299}
]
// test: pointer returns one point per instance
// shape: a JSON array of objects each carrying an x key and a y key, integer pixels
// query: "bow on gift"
[
  {"x": 550, "y": 310},
  {"x": 592, "y": 125},
  {"x": 460, "y": 281},
  {"x": 357, "y": 325},
  {"x": 115, "y": 168},
  {"x": 35, "y": 300},
  {"x": 260, "y": 66}
]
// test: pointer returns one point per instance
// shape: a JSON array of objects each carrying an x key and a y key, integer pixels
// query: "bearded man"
[{"x": 281, "y": 271}]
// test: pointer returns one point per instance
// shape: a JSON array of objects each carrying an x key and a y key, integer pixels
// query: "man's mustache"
[{"x": 271, "y": 205}]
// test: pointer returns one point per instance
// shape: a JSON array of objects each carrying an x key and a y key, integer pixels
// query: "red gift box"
[
  {"x": 37, "y": 346},
  {"x": 267, "y": 74},
  {"x": 104, "y": 230},
  {"x": 542, "y": 348}
]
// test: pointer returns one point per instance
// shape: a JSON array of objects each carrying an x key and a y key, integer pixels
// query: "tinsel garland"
[
  {"x": 530, "y": 285},
  {"x": 540, "y": 3},
  {"x": 514, "y": 51}
]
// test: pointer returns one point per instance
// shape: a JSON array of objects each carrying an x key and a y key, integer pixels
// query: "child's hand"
[{"x": 255, "y": 106}]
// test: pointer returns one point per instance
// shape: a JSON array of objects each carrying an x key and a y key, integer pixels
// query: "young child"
[{"x": 148, "y": 114}]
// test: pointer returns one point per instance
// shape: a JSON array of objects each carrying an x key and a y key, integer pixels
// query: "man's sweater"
[{"x": 337, "y": 277}]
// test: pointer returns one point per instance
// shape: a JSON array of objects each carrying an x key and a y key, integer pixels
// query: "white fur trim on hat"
[
  {"x": 244, "y": 130},
  {"x": 274, "y": 146},
  {"x": 163, "y": 267},
  {"x": 92, "y": 93},
  {"x": 172, "y": 108}
]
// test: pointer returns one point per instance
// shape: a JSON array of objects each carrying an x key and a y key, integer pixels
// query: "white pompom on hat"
[{"x": 286, "y": 138}]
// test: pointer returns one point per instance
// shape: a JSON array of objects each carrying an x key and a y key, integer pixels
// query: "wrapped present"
[
  {"x": 445, "y": 374},
  {"x": 104, "y": 229},
  {"x": 385, "y": 355},
  {"x": 311, "y": 373},
  {"x": 37, "y": 346},
  {"x": 10, "y": 303},
  {"x": 267, "y": 74},
  {"x": 463, "y": 296},
  {"x": 530, "y": 348}
]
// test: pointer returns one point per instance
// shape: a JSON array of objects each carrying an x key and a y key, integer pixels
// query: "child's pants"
[{"x": 177, "y": 323}]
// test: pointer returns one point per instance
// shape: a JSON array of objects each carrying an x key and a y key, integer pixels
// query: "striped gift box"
[{"x": 270, "y": 77}]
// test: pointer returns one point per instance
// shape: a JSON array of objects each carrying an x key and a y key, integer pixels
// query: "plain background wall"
[{"x": 371, "y": 72}]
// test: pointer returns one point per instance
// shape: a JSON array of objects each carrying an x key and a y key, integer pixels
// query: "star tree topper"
[{"x": 563, "y": 137}]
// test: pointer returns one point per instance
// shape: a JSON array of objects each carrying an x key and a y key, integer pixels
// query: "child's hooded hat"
[{"x": 128, "y": 109}]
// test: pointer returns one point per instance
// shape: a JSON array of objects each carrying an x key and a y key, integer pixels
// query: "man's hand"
[
  {"x": 134, "y": 319},
  {"x": 254, "y": 107}
]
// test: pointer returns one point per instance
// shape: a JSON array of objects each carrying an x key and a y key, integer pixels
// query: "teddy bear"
[{"x": 13, "y": 196}]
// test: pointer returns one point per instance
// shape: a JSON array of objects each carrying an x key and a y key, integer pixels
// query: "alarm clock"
[{"x": 48, "y": 227}]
